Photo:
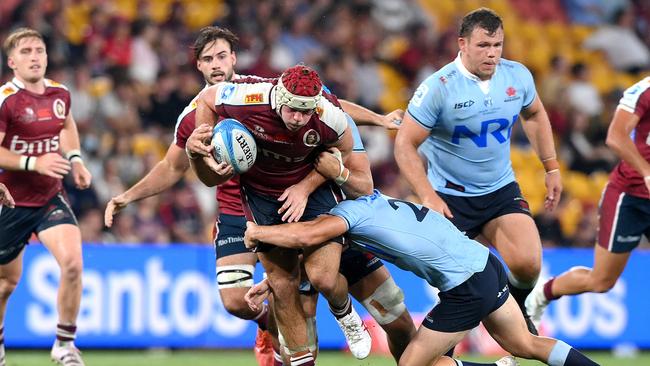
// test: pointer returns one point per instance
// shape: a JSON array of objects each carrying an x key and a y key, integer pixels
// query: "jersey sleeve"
[
  {"x": 356, "y": 136},
  {"x": 4, "y": 117},
  {"x": 426, "y": 104},
  {"x": 354, "y": 212},
  {"x": 184, "y": 127},
  {"x": 636, "y": 99},
  {"x": 529, "y": 86}
]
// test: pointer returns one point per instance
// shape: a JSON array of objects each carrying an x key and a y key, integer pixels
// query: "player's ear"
[{"x": 11, "y": 63}]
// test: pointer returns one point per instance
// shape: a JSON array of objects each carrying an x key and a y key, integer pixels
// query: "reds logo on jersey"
[
  {"x": 311, "y": 138},
  {"x": 59, "y": 108}
]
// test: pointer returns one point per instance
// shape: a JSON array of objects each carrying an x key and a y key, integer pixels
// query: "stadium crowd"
[{"x": 130, "y": 72}]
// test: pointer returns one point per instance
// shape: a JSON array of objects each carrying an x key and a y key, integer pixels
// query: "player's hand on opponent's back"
[
  {"x": 81, "y": 175},
  {"x": 256, "y": 295},
  {"x": 115, "y": 205},
  {"x": 53, "y": 165},
  {"x": 439, "y": 205},
  {"x": 5, "y": 197},
  {"x": 393, "y": 120},
  {"x": 553, "y": 182}
]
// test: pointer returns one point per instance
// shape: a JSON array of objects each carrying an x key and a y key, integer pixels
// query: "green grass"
[{"x": 245, "y": 358}]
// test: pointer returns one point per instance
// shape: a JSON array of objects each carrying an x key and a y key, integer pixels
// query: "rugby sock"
[
  {"x": 519, "y": 290},
  {"x": 262, "y": 318},
  {"x": 65, "y": 333},
  {"x": 467, "y": 363},
  {"x": 548, "y": 290},
  {"x": 302, "y": 359},
  {"x": 564, "y": 355},
  {"x": 344, "y": 310},
  {"x": 277, "y": 359}
]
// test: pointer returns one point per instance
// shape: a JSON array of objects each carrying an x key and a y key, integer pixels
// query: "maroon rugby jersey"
[
  {"x": 32, "y": 123},
  {"x": 636, "y": 99},
  {"x": 228, "y": 194},
  {"x": 284, "y": 158}
]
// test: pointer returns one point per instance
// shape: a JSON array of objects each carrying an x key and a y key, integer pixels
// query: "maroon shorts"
[{"x": 623, "y": 220}]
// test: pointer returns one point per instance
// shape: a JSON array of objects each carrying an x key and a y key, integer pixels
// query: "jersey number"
[{"x": 420, "y": 213}]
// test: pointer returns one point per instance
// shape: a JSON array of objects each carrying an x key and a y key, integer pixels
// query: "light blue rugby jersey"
[
  {"x": 412, "y": 237},
  {"x": 356, "y": 136},
  {"x": 470, "y": 123}
]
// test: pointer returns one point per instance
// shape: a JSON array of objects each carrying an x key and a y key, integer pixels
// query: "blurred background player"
[
  {"x": 472, "y": 281},
  {"x": 36, "y": 127},
  {"x": 624, "y": 206},
  {"x": 466, "y": 112}
]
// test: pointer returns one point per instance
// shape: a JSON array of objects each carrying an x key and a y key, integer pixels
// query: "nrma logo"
[{"x": 499, "y": 128}]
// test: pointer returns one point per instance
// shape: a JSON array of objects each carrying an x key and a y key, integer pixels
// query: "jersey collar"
[
  {"x": 483, "y": 84},
  {"x": 18, "y": 83}
]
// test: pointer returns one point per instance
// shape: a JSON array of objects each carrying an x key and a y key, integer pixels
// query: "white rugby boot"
[
  {"x": 507, "y": 361},
  {"x": 66, "y": 355},
  {"x": 356, "y": 334},
  {"x": 536, "y": 303}
]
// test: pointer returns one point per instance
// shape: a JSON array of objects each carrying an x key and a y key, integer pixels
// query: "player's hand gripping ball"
[{"x": 234, "y": 145}]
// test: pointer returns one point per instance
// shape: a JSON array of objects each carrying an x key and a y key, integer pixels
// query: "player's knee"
[
  {"x": 526, "y": 269},
  {"x": 7, "y": 286},
  {"x": 323, "y": 281},
  {"x": 386, "y": 304},
  {"x": 603, "y": 284},
  {"x": 236, "y": 306},
  {"x": 71, "y": 268}
]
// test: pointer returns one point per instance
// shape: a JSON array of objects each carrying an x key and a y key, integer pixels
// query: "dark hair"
[
  {"x": 210, "y": 34},
  {"x": 484, "y": 18}
]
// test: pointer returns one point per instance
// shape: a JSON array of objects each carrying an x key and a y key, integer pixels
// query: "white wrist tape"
[
  {"x": 343, "y": 176},
  {"x": 74, "y": 156},
  {"x": 27, "y": 162}
]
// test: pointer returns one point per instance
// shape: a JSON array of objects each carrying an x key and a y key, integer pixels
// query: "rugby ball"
[{"x": 234, "y": 145}]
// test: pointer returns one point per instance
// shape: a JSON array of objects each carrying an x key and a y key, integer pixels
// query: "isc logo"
[
  {"x": 46, "y": 145},
  {"x": 500, "y": 129},
  {"x": 466, "y": 104}
]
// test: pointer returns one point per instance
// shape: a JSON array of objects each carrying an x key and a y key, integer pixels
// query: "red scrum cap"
[{"x": 299, "y": 87}]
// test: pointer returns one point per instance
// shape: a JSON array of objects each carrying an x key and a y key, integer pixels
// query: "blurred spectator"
[
  {"x": 585, "y": 152},
  {"x": 582, "y": 94},
  {"x": 586, "y": 12},
  {"x": 623, "y": 48},
  {"x": 145, "y": 65}
]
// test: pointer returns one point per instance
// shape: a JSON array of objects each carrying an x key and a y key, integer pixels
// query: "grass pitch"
[{"x": 246, "y": 358}]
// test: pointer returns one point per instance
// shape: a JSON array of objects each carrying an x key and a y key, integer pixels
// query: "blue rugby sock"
[{"x": 564, "y": 355}]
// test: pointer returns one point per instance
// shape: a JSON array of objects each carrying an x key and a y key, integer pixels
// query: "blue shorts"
[
  {"x": 472, "y": 213},
  {"x": 623, "y": 219},
  {"x": 229, "y": 238},
  {"x": 263, "y": 209},
  {"x": 18, "y": 224},
  {"x": 466, "y": 305}
]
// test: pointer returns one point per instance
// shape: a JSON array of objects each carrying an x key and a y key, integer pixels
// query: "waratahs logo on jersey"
[{"x": 419, "y": 95}]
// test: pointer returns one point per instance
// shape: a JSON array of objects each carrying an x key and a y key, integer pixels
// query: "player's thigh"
[
  {"x": 10, "y": 273},
  {"x": 59, "y": 232},
  {"x": 508, "y": 327},
  {"x": 16, "y": 227},
  {"x": 429, "y": 345},
  {"x": 516, "y": 238},
  {"x": 322, "y": 260}
]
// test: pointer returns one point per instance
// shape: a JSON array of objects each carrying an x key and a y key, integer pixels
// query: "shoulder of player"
[
  {"x": 6, "y": 91},
  {"x": 512, "y": 66},
  {"x": 53, "y": 84},
  {"x": 244, "y": 91},
  {"x": 330, "y": 112},
  {"x": 634, "y": 94}
]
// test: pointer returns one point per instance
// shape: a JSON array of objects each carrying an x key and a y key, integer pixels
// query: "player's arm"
[
  {"x": 354, "y": 177},
  {"x": 365, "y": 117},
  {"x": 409, "y": 137},
  {"x": 296, "y": 234},
  {"x": 618, "y": 139},
  {"x": 70, "y": 146},
  {"x": 198, "y": 147},
  {"x": 164, "y": 174},
  {"x": 537, "y": 127},
  {"x": 50, "y": 164}
]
